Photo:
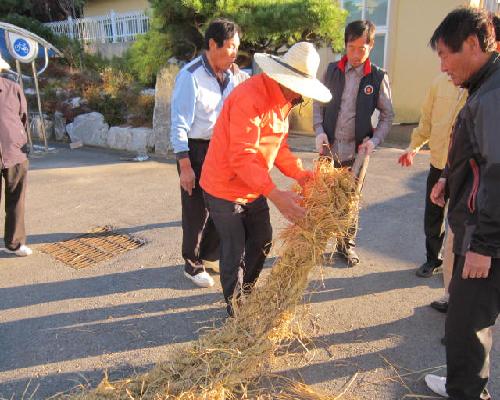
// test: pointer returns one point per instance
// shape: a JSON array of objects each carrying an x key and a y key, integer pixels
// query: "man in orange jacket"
[{"x": 249, "y": 138}]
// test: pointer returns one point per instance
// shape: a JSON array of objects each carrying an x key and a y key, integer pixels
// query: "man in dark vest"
[{"x": 343, "y": 126}]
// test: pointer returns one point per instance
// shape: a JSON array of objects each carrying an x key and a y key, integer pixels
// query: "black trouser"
[
  {"x": 245, "y": 234},
  {"x": 433, "y": 220},
  {"x": 199, "y": 236},
  {"x": 16, "y": 179},
  {"x": 473, "y": 309}
]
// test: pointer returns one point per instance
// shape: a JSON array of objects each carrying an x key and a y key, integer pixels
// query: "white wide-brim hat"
[
  {"x": 4, "y": 65},
  {"x": 296, "y": 70}
]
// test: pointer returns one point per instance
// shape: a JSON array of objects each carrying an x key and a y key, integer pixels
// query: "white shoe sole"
[
  {"x": 437, "y": 384},
  {"x": 17, "y": 253},
  {"x": 204, "y": 283}
]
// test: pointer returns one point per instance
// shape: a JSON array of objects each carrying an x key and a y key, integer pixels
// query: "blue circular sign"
[{"x": 21, "y": 47}]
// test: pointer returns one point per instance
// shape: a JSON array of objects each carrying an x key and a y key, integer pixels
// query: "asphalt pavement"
[{"x": 61, "y": 328}]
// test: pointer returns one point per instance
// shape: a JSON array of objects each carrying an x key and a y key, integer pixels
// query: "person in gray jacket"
[
  {"x": 13, "y": 161},
  {"x": 465, "y": 43},
  {"x": 343, "y": 127}
]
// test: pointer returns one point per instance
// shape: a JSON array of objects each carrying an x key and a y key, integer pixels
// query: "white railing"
[{"x": 111, "y": 28}]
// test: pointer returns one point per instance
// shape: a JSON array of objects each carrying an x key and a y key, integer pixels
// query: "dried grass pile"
[{"x": 223, "y": 361}]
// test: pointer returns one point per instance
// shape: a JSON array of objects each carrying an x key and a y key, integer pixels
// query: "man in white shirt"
[{"x": 200, "y": 89}]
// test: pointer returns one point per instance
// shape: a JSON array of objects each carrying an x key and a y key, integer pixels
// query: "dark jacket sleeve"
[{"x": 486, "y": 237}]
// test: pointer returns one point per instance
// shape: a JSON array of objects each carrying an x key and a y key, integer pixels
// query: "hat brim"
[{"x": 307, "y": 87}]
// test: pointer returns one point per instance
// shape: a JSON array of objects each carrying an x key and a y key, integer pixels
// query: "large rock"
[
  {"x": 75, "y": 102},
  {"x": 59, "y": 126},
  {"x": 118, "y": 137},
  {"x": 130, "y": 139},
  {"x": 36, "y": 127},
  {"x": 90, "y": 129},
  {"x": 139, "y": 139},
  {"x": 161, "y": 117}
]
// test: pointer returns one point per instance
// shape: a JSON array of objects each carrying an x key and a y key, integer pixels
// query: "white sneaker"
[
  {"x": 213, "y": 265},
  {"x": 201, "y": 279},
  {"x": 444, "y": 299},
  {"x": 22, "y": 251},
  {"x": 437, "y": 384}
]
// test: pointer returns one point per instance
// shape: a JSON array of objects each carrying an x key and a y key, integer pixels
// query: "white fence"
[{"x": 111, "y": 28}]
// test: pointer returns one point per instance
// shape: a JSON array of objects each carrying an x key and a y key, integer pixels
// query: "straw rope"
[{"x": 224, "y": 360}]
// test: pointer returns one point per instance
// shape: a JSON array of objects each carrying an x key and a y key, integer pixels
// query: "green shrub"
[
  {"x": 116, "y": 95},
  {"x": 112, "y": 108},
  {"x": 147, "y": 55},
  {"x": 116, "y": 82},
  {"x": 177, "y": 28},
  {"x": 141, "y": 111}
]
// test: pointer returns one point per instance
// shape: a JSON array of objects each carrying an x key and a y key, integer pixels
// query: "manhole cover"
[{"x": 99, "y": 245}]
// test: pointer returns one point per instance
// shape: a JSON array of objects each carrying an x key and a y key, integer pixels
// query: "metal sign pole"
[
  {"x": 35, "y": 76},
  {"x": 24, "y": 47},
  {"x": 28, "y": 126}
]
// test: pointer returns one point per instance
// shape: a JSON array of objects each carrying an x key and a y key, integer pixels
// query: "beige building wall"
[
  {"x": 411, "y": 63},
  {"x": 102, "y": 7}
]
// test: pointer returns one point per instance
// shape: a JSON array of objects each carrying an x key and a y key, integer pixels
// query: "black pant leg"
[
  {"x": 473, "y": 308},
  {"x": 15, "y": 195},
  {"x": 199, "y": 236},
  {"x": 228, "y": 219},
  {"x": 259, "y": 235},
  {"x": 433, "y": 220}
]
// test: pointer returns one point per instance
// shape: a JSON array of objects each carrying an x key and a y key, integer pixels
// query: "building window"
[
  {"x": 376, "y": 11},
  {"x": 492, "y": 5}
]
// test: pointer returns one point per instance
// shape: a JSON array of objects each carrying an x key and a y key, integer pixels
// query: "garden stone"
[
  {"x": 118, "y": 138},
  {"x": 148, "y": 92},
  {"x": 36, "y": 127},
  {"x": 75, "y": 102},
  {"x": 59, "y": 126},
  {"x": 130, "y": 139},
  {"x": 61, "y": 92},
  {"x": 90, "y": 129},
  {"x": 139, "y": 139},
  {"x": 161, "y": 117}
]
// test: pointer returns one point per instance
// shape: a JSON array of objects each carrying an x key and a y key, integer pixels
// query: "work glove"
[{"x": 322, "y": 144}]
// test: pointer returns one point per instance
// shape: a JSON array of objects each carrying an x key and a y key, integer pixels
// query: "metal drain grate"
[{"x": 101, "y": 244}]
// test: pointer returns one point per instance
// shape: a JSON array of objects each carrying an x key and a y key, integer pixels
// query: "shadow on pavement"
[
  {"x": 318, "y": 372},
  {"x": 60, "y": 236},
  {"x": 124, "y": 282},
  {"x": 395, "y": 359},
  {"x": 384, "y": 226},
  {"x": 63, "y": 157},
  {"x": 73, "y": 335},
  {"x": 71, "y": 382},
  {"x": 377, "y": 282},
  {"x": 82, "y": 334}
]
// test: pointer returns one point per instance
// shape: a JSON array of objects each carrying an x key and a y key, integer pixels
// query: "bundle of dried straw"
[{"x": 223, "y": 361}]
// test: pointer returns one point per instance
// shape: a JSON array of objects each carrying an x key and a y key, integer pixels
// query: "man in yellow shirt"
[{"x": 441, "y": 106}]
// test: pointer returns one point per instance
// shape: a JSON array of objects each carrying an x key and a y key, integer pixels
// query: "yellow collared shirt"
[{"x": 440, "y": 108}]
